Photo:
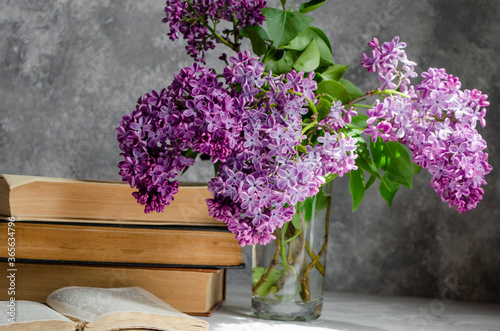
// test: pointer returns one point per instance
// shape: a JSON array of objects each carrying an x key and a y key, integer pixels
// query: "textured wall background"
[{"x": 70, "y": 69}]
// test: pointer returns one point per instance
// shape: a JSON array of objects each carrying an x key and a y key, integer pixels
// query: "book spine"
[
  {"x": 123, "y": 245},
  {"x": 194, "y": 291}
]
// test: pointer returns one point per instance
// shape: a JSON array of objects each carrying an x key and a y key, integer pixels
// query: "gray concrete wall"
[{"x": 70, "y": 69}]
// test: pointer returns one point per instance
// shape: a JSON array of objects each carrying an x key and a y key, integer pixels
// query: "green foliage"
[
  {"x": 334, "y": 89},
  {"x": 283, "y": 64},
  {"x": 353, "y": 90},
  {"x": 309, "y": 59},
  {"x": 323, "y": 108},
  {"x": 394, "y": 160},
  {"x": 388, "y": 189},
  {"x": 303, "y": 48},
  {"x": 258, "y": 37},
  {"x": 283, "y": 26},
  {"x": 416, "y": 168},
  {"x": 365, "y": 160},
  {"x": 391, "y": 158},
  {"x": 359, "y": 122},
  {"x": 323, "y": 37},
  {"x": 370, "y": 182},
  {"x": 330, "y": 177},
  {"x": 334, "y": 72},
  {"x": 357, "y": 187},
  {"x": 311, "y": 5},
  {"x": 273, "y": 54},
  {"x": 303, "y": 40}
]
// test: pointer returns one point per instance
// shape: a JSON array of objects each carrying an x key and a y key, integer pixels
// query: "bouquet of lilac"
[
  {"x": 276, "y": 134},
  {"x": 280, "y": 124}
]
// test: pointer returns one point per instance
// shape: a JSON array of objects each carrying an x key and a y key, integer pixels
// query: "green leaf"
[
  {"x": 302, "y": 149},
  {"x": 365, "y": 160},
  {"x": 388, "y": 190},
  {"x": 257, "y": 29},
  {"x": 330, "y": 177},
  {"x": 416, "y": 168},
  {"x": 311, "y": 5},
  {"x": 400, "y": 169},
  {"x": 323, "y": 108},
  {"x": 357, "y": 187},
  {"x": 359, "y": 121},
  {"x": 334, "y": 89},
  {"x": 378, "y": 154},
  {"x": 257, "y": 34},
  {"x": 394, "y": 160},
  {"x": 290, "y": 57},
  {"x": 283, "y": 65},
  {"x": 353, "y": 131},
  {"x": 283, "y": 25},
  {"x": 283, "y": 3},
  {"x": 323, "y": 37},
  {"x": 273, "y": 54},
  {"x": 309, "y": 59},
  {"x": 304, "y": 38},
  {"x": 327, "y": 97},
  {"x": 370, "y": 182},
  {"x": 335, "y": 72},
  {"x": 354, "y": 92}
]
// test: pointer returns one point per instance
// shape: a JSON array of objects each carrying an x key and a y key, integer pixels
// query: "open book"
[{"x": 97, "y": 309}]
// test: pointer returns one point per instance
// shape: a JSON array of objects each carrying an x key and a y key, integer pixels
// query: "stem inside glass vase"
[{"x": 288, "y": 274}]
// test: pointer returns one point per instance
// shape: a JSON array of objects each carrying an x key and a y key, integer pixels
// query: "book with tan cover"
[
  {"x": 98, "y": 309},
  {"x": 55, "y": 199},
  {"x": 122, "y": 244},
  {"x": 192, "y": 291}
]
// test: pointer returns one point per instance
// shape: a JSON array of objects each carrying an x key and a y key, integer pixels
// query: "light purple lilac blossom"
[
  {"x": 182, "y": 20},
  {"x": 256, "y": 190},
  {"x": 251, "y": 127},
  {"x": 438, "y": 122},
  {"x": 390, "y": 62}
]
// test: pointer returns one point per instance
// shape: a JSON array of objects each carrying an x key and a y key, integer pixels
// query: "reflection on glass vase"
[{"x": 288, "y": 274}]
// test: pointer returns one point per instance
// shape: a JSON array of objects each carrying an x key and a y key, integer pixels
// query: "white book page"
[
  {"x": 91, "y": 304},
  {"x": 29, "y": 311}
]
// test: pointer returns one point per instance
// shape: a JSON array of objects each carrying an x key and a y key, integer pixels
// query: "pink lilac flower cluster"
[
  {"x": 438, "y": 120},
  {"x": 255, "y": 191},
  {"x": 252, "y": 129},
  {"x": 390, "y": 62},
  {"x": 333, "y": 159},
  {"x": 183, "y": 21}
]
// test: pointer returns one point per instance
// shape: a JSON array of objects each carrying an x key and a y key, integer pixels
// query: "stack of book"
[{"x": 68, "y": 232}]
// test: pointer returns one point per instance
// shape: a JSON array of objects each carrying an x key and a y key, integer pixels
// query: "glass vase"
[{"x": 288, "y": 274}]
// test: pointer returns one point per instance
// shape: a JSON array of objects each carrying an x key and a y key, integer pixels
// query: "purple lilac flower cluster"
[
  {"x": 194, "y": 114},
  {"x": 256, "y": 190},
  {"x": 437, "y": 120},
  {"x": 391, "y": 64},
  {"x": 252, "y": 129},
  {"x": 182, "y": 20},
  {"x": 334, "y": 144}
]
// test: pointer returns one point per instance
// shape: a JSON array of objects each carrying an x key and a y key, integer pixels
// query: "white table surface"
[{"x": 359, "y": 312}]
